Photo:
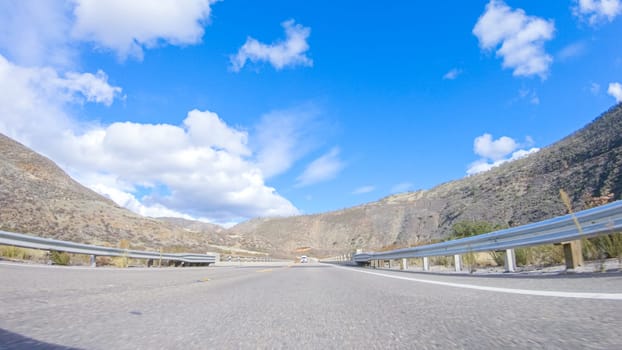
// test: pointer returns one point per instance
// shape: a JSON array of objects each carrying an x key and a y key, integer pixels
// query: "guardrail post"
[
  {"x": 93, "y": 261},
  {"x": 404, "y": 264},
  {"x": 572, "y": 254},
  {"x": 458, "y": 262},
  {"x": 426, "y": 263},
  {"x": 389, "y": 263},
  {"x": 510, "y": 260}
]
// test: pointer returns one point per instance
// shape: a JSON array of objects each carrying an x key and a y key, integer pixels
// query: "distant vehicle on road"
[{"x": 304, "y": 259}]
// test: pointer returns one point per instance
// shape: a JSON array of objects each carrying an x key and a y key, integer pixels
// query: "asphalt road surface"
[{"x": 308, "y": 306}]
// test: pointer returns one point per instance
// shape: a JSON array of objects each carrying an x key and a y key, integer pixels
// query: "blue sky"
[{"x": 224, "y": 111}]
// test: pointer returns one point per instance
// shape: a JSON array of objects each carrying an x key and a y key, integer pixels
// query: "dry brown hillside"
[{"x": 37, "y": 197}]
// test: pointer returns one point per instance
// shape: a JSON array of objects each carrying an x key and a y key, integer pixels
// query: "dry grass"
[
  {"x": 542, "y": 255},
  {"x": 18, "y": 253}
]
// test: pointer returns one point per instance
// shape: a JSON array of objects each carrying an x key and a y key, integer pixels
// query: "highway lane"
[{"x": 303, "y": 306}]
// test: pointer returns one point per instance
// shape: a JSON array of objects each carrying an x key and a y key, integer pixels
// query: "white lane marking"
[{"x": 545, "y": 293}]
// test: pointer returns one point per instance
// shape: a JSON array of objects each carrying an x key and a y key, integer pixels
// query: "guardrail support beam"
[
  {"x": 510, "y": 260},
  {"x": 404, "y": 264},
  {"x": 458, "y": 262},
  {"x": 426, "y": 263},
  {"x": 572, "y": 254},
  {"x": 93, "y": 261}
]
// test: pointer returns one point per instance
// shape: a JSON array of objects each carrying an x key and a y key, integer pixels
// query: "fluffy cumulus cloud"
[
  {"x": 202, "y": 168},
  {"x": 125, "y": 27},
  {"x": 322, "y": 169},
  {"x": 615, "y": 90},
  {"x": 486, "y": 147},
  {"x": 37, "y": 33},
  {"x": 496, "y": 152},
  {"x": 290, "y": 52},
  {"x": 520, "y": 38},
  {"x": 33, "y": 99},
  {"x": 598, "y": 11}
]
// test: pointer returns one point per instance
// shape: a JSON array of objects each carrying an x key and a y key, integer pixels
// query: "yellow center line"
[{"x": 265, "y": 270}]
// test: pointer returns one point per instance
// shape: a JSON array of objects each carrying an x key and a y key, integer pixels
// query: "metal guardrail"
[
  {"x": 33, "y": 242},
  {"x": 594, "y": 221}
]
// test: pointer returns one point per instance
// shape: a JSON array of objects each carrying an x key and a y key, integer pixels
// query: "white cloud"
[
  {"x": 486, "y": 147},
  {"x": 452, "y": 74},
  {"x": 521, "y": 38},
  {"x": 206, "y": 129},
  {"x": 92, "y": 86},
  {"x": 485, "y": 165},
  {"x": 33, "y": 99},
  {"x": 615, "y": 90},
  {"x": 597, "y": 11},
  {"x": 34, "y": 32},
  {"x": 126, "y": 27},
  {"x": 207, "y": 176},
  {"x": 529, "y": 95},
  {"x": 571, "y": 50},
  {"x": 291, "y": 52},
  {"x": 324, "y": 168},
  {"x": 284, "y": 136},
  {"x": 496, "y": 152},
  {"x": 204, "y": 165},
  {"x": 47, "y": 33},
  {"x": 364, "y": 189}
]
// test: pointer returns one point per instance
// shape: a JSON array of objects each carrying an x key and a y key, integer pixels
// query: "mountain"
[
  {"x": 37, "y": 197},
  {"x": 586, "y": 164}
]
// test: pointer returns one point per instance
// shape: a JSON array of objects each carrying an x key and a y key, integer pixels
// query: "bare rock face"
[
  {"x": 586, "y": 164},
  {"x": 37, "y": 197}
]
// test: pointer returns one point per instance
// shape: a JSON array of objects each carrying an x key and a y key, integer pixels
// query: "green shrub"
[
  {"x": 472, "y": 228},
  {"x": 59, "y": 258}
]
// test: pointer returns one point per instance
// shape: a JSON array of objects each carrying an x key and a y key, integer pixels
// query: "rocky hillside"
[
  {"x": 585, "y": 164},
  {"x": 37, "y": 197}
]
